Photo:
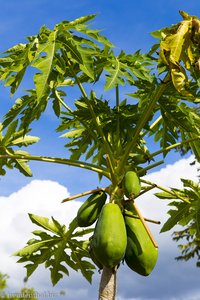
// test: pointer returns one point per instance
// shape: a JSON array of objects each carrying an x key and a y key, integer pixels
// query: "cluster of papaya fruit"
[{"x": 118, "y": 236}]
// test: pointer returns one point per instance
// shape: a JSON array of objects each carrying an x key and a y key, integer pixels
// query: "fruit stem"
[
  {"x": 83, "y": 194},
  {"x": 146, "y": 219},
  {"x": 145, "y": 225}
]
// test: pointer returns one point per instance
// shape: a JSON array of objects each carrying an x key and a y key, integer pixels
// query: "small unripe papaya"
[
  {"x": 140, "y": 159},
  {"x": 90, "y": 209},
  {"x": 132, "y": 186},
  {"x": 109, "y": 239},
  {"x": 141, "y": 255}
]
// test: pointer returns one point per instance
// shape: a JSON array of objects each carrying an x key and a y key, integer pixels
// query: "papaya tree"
[{"x": 122, "y": 102}]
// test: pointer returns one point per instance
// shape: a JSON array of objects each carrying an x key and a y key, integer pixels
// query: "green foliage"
[
  {"x": 60, "y": 55},
  {"x": 183, "y": 209},
  {"x": 53, "y": 250},
  {"x": 186, "y": 215},
  {"x": 15, "y": 137},
  {"x": 121, "y": 102}
]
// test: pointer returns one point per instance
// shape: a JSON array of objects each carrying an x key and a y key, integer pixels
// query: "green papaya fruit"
[
  {"x": 140, "y": 159},
  {"x": 132, "y": 186},
  {"x": 90, "y": 209},
  {"x": 141, "y": 254},
  {"x": 109, "y": 239}
]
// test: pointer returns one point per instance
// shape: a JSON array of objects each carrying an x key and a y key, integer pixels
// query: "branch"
[
  {"x": 58, "y": 160},
  {"x": 173, "y": 146},
  {"x": 147, "y": 189},
  {"x": 150, "y": 167}
]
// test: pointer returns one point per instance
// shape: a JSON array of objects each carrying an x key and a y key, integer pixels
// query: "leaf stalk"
[{"x": 58, "y": 160}]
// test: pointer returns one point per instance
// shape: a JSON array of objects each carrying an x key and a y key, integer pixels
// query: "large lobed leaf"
[
  {"x": 185, "y": 214},
  {"x": 12, "y": 158},
  {"x": 189, "y": 236},
  {"x": 60, "y": 251}
]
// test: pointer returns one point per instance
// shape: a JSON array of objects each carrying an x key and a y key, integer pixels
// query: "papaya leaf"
[
  {"x": 191, "y": 184},
  {"x": 22, "y": 166},
  {"x": 30, "y": 268},
  {"x": 56, "y": 105},
  {"x": 195, "y": 146},
  {"x": 45, "y": 65},
  {"x": 177, "y": 41},
  {"x": 174, "y": 41},
  {"x": 14, "y": 112},
  {"x": 175, "y": 217},
  {"x": 80, "y": 233},
  {"x": 79, "y": 21},
  {"x": 87, "y": 65},
  {"x": 13, "y": 158},
  {"x": 180, "y": 115},
  {"x": 184, "y": 213},
  {"x": 57, "y": 268},
  {"x": 34, "y": 247},
  {"x": 84, "y": 266},
  {"x": 14, "y": 66},
  {"x": 165, "y": 195},
  {"x": 190, "y": 234},
  {"x": 180, "y": 79},
  {"x": 15, "y": 137},
  {"x": 9, "y": 133},
  {"x": 115, "y": 75},
  {"x": 76, "y": 133},
  {"x": 94, "y": 34},
  {"x": 58, "y": 251},
  {"x": 24, "y": 140},
  {"x": 91, "y": 151},
  {"x": 157, "y": 34},
  {"x": 47, "y": 224}
]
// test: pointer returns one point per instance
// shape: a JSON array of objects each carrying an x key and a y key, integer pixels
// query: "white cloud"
[
  {"x": 39, "y": 197},
  {"x": 44, "y": 198}
]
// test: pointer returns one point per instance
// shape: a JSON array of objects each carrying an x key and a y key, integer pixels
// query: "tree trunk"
[{"x": 107, "y": 287}]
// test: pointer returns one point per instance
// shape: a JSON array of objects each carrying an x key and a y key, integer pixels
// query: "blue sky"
[{"x": 128, "y": 25}]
